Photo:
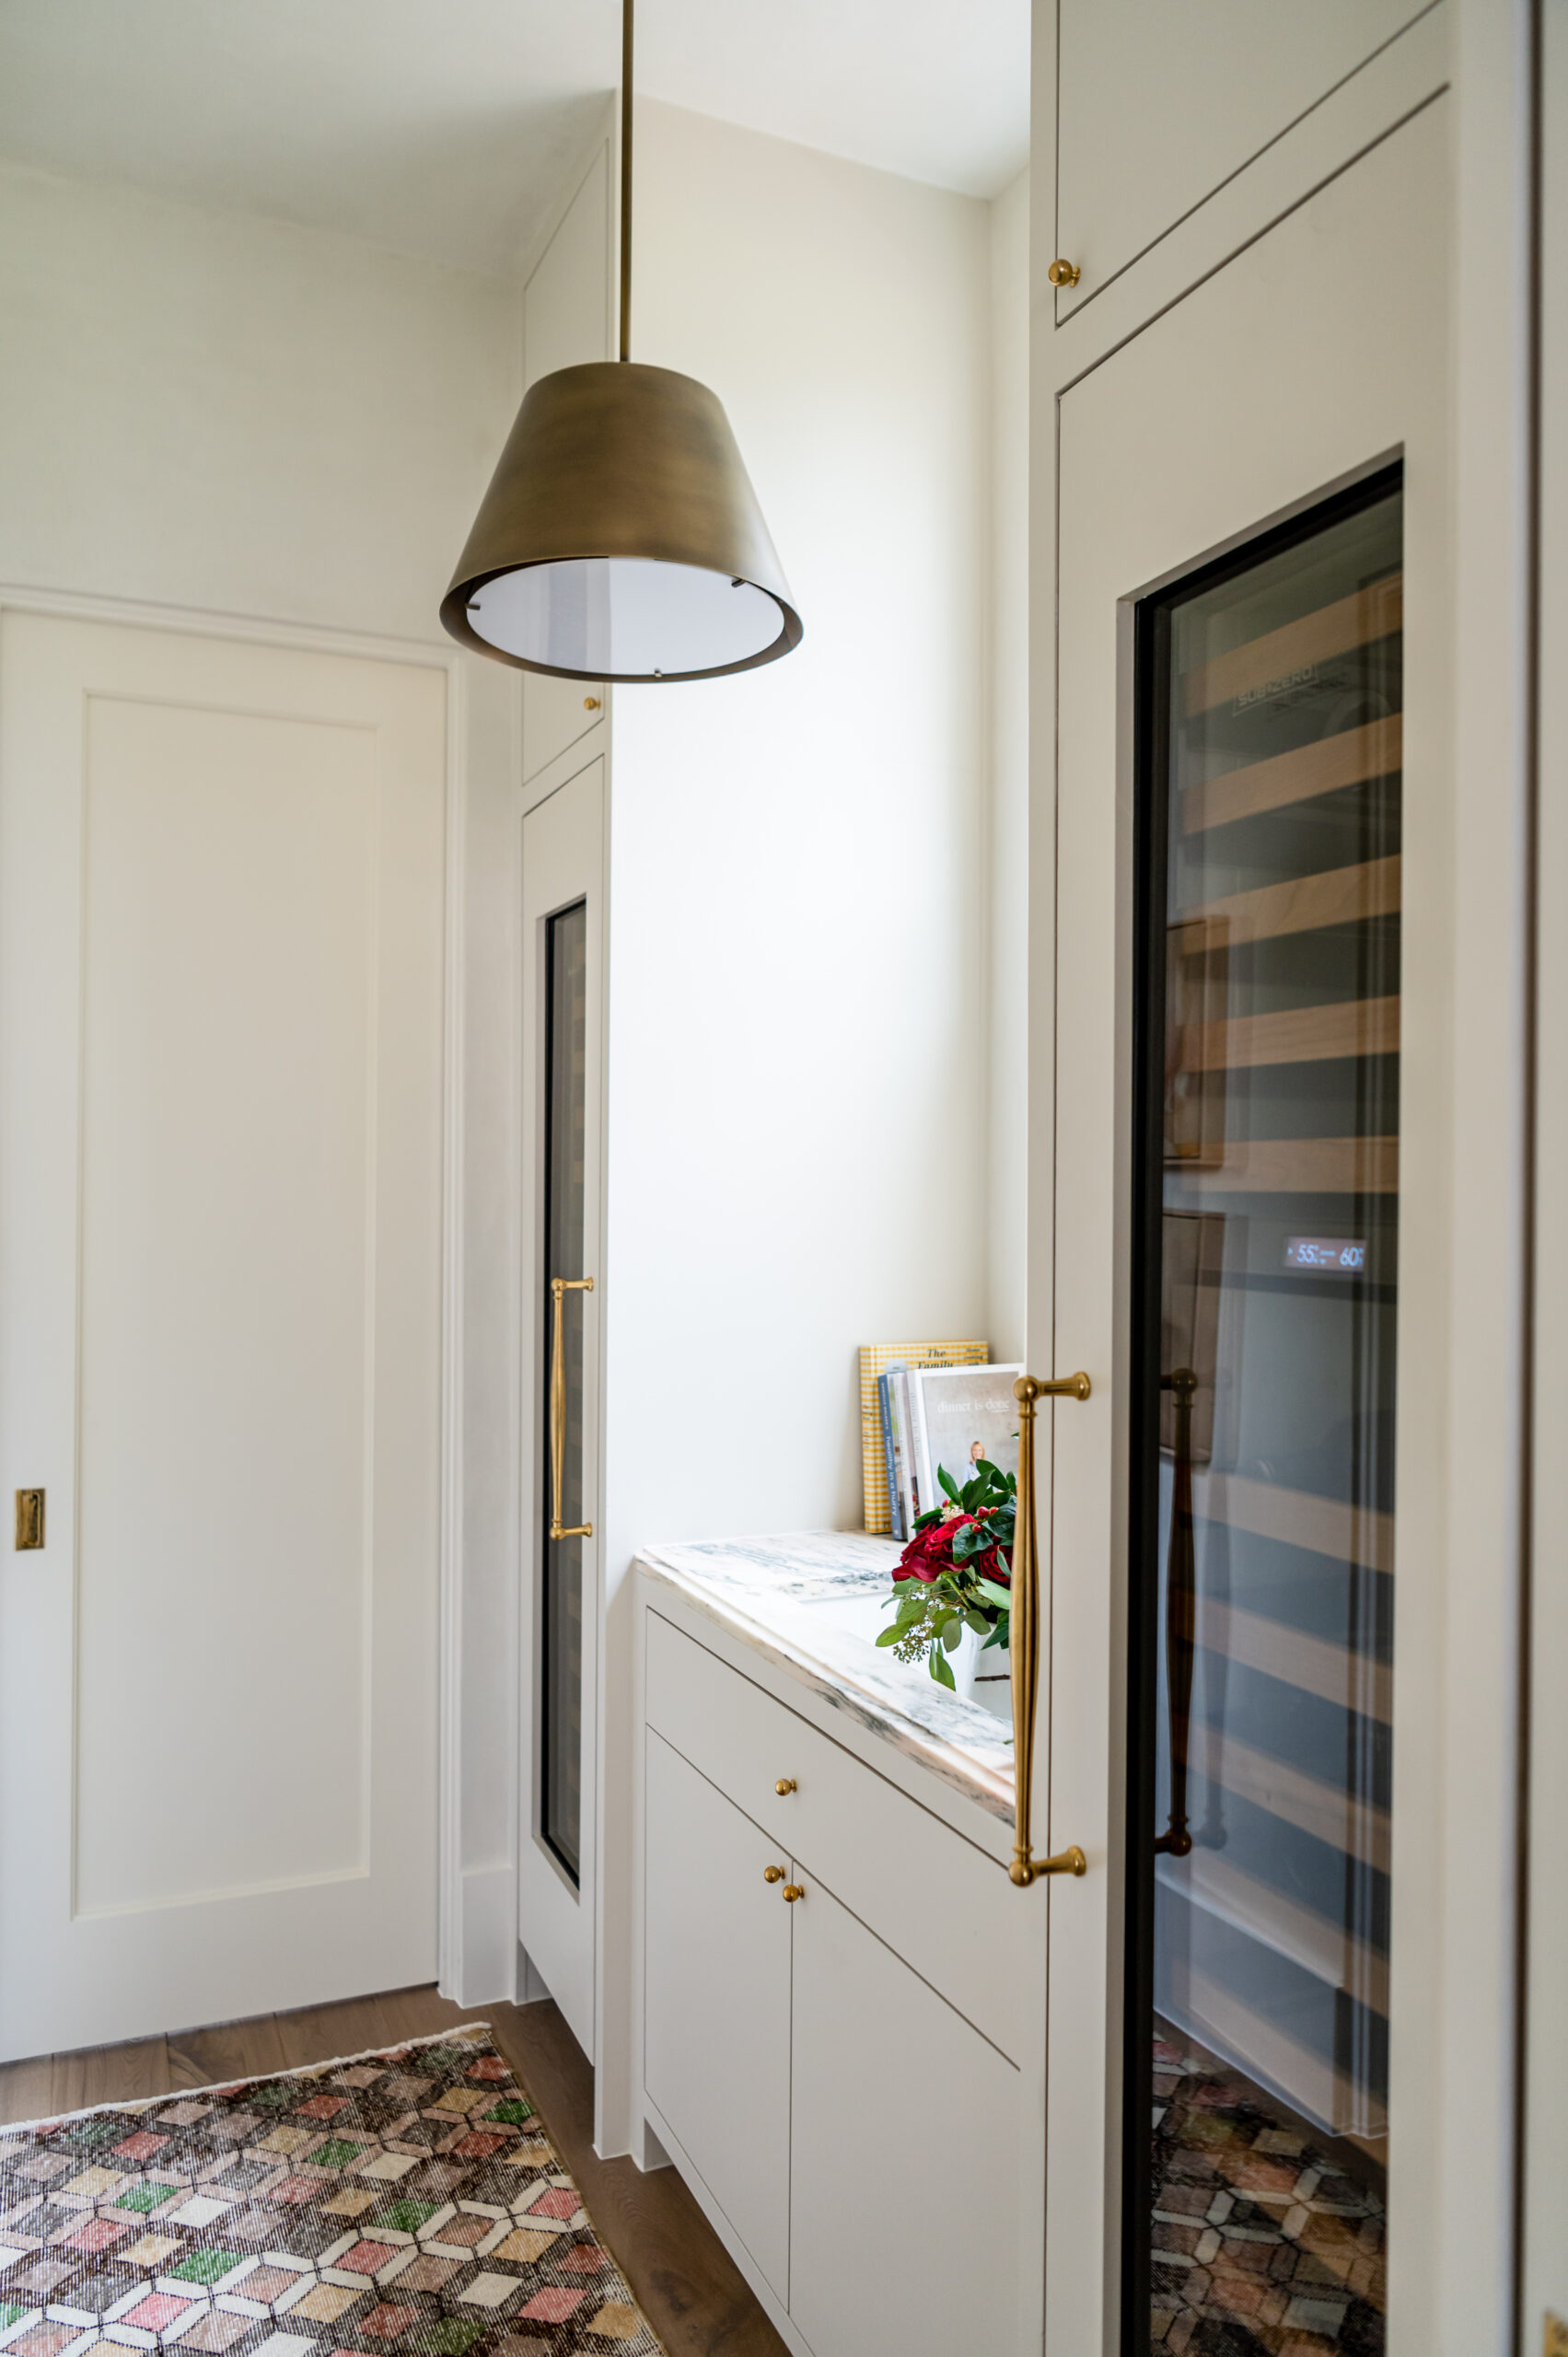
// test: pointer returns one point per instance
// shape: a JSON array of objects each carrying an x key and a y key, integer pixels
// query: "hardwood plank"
[
  {"x": 419, "y": 2013},
  {"x": 323, "y": 2033},
  {"x": 1365, "y": 615},
  {"x": 27, "y": 2089},
  {"x": 1296, "y": 1034},
  {"x": 691, "y": 2290},
  {"x": 1323, "y": 767},
  {"x": 1327, "y": 1526},
  {"x": 1335, "y": 1674},
  {"x": 1334, "y": 896},
  {"x": 230, "y": 2050},
  {"x": 111, "y": 2074},
  {"x": 1297, "y": 1166}
]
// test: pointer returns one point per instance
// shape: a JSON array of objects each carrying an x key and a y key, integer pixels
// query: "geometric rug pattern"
[
  {"x": 1261, "y": 2241},
  {"x": 401, "y": 2204}
]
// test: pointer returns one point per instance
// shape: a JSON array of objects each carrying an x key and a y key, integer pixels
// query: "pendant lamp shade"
[{"x": 620, "y": 537}]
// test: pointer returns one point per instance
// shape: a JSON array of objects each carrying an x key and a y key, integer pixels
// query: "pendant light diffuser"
[{"x": 620, "y": 537}]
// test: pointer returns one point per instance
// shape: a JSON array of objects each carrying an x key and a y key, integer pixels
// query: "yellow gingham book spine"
[{"x": 875, "y": 1360}]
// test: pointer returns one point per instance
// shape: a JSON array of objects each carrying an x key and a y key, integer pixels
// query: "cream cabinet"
[
  {"x": 1158, "y": 107},
  {"x": 836, "y": 2101},
  {"x": 717, "y": 2012}
]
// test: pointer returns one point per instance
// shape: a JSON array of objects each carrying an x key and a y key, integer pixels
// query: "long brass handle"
[
  {"x": 1023, "y": 1634},
  {"x": 559, "y": 1287}
]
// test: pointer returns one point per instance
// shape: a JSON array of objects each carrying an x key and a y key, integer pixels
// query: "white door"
[
  {"x": 1249, "y": 1213},
  {"x": 221, "y": 906},
  {"x": 562, "y": 936}
]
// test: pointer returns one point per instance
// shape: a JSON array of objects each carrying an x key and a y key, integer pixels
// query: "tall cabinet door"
[
  {"x": 563, "y": 1092},
  {"x": 1252, "y": 989}
]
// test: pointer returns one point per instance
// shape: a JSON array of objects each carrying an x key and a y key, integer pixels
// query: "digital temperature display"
[{"x": 1334, "y": 1256}]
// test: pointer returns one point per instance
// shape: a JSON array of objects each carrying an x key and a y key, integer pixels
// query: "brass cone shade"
[{"x": 620, "y": 537}]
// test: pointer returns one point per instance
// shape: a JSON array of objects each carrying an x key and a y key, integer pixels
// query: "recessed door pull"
[{"x": 1024, "y": 1644}]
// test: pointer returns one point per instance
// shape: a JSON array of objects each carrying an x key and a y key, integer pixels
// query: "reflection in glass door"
[
  {"x": 566, "y": 1101},
  {"x": 1266, "y": 1229}
]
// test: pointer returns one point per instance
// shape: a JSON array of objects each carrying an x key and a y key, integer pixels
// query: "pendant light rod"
[{"x": 626, "y": 8}]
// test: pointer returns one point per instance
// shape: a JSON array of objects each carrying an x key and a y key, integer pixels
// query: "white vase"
[{"x": 982, "y": 1673}]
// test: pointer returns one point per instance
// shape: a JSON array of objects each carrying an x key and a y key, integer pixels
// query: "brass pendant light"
[{"x": 620, "y": 537}]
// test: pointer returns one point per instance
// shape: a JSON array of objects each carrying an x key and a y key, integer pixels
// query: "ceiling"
[{"x": 441, "y": 127}]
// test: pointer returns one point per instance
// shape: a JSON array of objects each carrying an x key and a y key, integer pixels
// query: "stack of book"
[{"x": 925, "y": 1406}]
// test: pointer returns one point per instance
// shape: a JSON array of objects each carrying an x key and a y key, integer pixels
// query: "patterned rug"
[
  {"x": 1263, "y": 2247},
  {"x": 405, "y": 2203}
]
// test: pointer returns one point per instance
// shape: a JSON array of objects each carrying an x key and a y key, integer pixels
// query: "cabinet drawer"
[{"x": 937, "y": 1899}]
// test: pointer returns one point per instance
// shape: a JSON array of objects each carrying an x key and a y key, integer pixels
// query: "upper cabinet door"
[
  {"x": 566, "y": 320},
  {"x": 1157, "y": 106}
]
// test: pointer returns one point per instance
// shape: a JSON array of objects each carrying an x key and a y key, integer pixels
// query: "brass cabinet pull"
[
  {"x": 785, "y": 1784},
  {"x": 1023, "y": 1642},
  {"x": 558, "y": 1287},
  {"x": 792, "y": 1891},
  {"x": 772, "y": 1873}
]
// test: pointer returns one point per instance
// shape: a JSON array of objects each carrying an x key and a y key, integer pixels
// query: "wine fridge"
[{"x": 1264, "y": 1311}]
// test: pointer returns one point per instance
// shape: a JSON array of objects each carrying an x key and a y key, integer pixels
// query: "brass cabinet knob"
[
  {"x": 772, "y": 1873},
  {"x": 590, "y": 704},
  {"x": 792, "y": 1891},
  {"x": 1063, "y": 273},
  {"x": 785, "y": 1784}
]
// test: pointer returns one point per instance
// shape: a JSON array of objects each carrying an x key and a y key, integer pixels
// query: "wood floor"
[{"x": 690, "y": 2289}]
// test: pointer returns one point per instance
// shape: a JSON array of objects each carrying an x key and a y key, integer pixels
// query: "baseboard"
[{"x": 487, "y": 1957}]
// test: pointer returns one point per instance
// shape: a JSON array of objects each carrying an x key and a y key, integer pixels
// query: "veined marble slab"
[{"x": 808, "y": 1601}]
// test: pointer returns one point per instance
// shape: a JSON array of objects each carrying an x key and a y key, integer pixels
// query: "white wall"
[
  {"x": 1007, "y": 911},
  {"x": 207, "y": 409},
  {"x": 243, "y": 417},
  {"x": 798, "y": 1051}
]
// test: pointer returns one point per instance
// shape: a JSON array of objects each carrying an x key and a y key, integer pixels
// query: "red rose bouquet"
[{"x": 957, "y": 1571}]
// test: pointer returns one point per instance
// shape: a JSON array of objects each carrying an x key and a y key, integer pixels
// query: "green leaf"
[
  {"x": 949, "y": 1483},
  {"x": 940, "y": 1671},
  {"x": 889, "y": 1636},
  {"x": 978, "y": 1623},
  {"x": 1000, "y": 1597},
  {"x": 952, "y": 1631}
]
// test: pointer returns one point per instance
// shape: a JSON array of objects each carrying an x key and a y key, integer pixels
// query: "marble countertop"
[{"x": 811, "y": 1602}]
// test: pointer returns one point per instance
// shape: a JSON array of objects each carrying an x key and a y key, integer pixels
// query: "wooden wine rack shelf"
[
  {"x": 1351, "y": 1026},
  {"x": 1373, "y": 750},
  {"x": 1302, "y": 1166},
  {"x": 1297, "y": 1519},
  {"x": 1333, "y": 896},
  {"x": 1368, "y": 614}
]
